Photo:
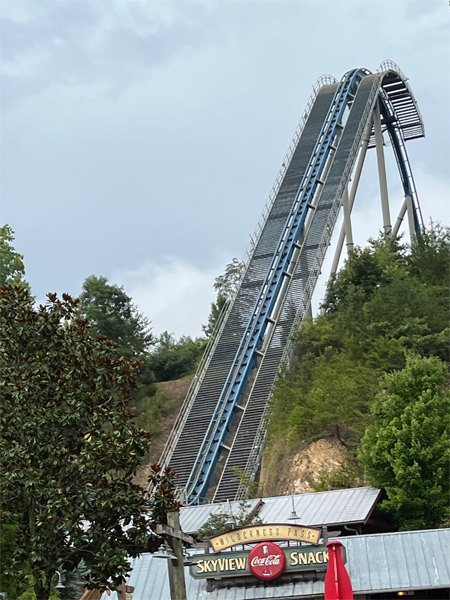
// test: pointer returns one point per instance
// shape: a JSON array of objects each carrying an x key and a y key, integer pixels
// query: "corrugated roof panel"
[
  {"x": 193, "y": 517},
  {"x": 378, "y": 567},
  {"x": 322, "y": 508},
  {"x": 435, "y": 562},
  {"x": 357, "y": 571},
  {"x": 396, "y": 562}
]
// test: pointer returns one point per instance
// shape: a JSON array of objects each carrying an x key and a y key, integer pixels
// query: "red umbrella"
[{"x": 337, "y": 582}]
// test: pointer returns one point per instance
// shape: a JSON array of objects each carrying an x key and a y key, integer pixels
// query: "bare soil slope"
[
  {"x": 177, "y": 390},
  {"x": 293, "y": 472}
]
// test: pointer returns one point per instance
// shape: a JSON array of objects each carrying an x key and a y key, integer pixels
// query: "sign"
[
  {"x": 236, "y": 564},
  {"x": 262, "y": 533},
  {"x": 267, "y": 560}
]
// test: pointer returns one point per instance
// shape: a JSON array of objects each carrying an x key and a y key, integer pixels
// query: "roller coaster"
[{"x": 221, "y": 425}]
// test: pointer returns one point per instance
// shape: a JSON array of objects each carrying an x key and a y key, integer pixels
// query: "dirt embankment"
[
  {"x": 176, "y": 390},
  {"x": 293, "y": 472}
]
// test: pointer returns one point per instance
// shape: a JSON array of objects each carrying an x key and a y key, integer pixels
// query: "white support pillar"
[
  {"x": 347, "y": 221},
  {"x": 382, "y": 169},
  {"x": 400, "y": 218},
  {"x": 351, "y": 199},
  {"x": 410, "y": 209},
  {"x": 308, "y": 311},
  {"x": 407, "y": 206}
]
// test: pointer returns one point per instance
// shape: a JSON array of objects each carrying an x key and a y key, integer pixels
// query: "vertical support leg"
[
  {"x": 382, "y": 170},
  {"x": 351, "y": 200},
  {"x": 407, "y": 206},
  {"x": 410, "y": 210},
  {"x": 308, "y": 312},
  {"x": 347, "y": 220},
  {"x": 399, "y": 220}
]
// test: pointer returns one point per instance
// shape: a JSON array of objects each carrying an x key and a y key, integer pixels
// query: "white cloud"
[{"x": 175, "y": 295}]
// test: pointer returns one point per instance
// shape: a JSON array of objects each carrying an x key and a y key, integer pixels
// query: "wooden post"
[
  {"x": 176, "y": 567},
  {"x": 125, "y": 591}
]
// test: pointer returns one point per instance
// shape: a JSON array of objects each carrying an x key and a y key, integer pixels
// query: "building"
[{"x": 380, "y": 565}]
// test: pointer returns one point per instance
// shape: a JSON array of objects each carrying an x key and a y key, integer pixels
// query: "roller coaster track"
[{"x": 221, "y": 426}]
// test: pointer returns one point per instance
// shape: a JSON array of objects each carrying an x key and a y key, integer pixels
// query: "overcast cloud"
[{"x": 140, "y": 140}]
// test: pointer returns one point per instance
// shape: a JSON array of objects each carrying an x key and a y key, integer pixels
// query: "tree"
[
  {"x": 113, "y": 314},
  {"x": 12, "y": 269},
  {"x": 430, "y": 254},
  {"x": 223, "y": 521},
  {"x": 226, "y": 286},
  {"x": 172, "y": 359},
  {"x": 69, "y": 447},
  {"x": 387, "y": 300},
  {"x": 406, "y": 449}
]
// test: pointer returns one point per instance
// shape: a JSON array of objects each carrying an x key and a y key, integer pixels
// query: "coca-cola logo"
[{"x": 267, "y": 560}]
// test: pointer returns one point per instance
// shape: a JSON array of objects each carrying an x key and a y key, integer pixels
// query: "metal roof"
[
  {"x": 405, "y": 561},
  {"x": 337, "y": 507}
]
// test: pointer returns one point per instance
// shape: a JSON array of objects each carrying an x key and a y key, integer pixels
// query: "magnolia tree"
[{"x": 69, "y": 447}]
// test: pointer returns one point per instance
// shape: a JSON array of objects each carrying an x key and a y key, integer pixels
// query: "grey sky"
[{"x": 140, "y": 140}]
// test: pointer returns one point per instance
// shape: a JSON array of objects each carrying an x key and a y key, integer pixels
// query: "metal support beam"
[
  {"x": 351, "y": 199},
  {"x": 382, "y": 169},
  {"x": 407, "y": 206},
  {"x": 308, "y": 311},
  {"x": 410, "y": 210},
  {"x": 347, "y": 220},
  {"x": 400, "y": 218}
]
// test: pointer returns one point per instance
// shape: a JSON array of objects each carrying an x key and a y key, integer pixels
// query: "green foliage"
[
  {"x": 348, "y": 475},
  {"x": 429, "y": 259},
  {"x": 252, "y": 486},
  {"x": 152, "y": 409},
  {"x": 379, "y": 307},
  {"x": 164, "y": 496},
  {"x": 69, "y": 447},
  {"x": 216, "y": 310},
  {"x": 224, "y": 521},
  {"x": 388, "y": 301},
  {"x": 12, "y": 268},
  {"x": 226, "y": 286},
  {"x": 337, "y": 400},
  {"x": 113, "y": 314},
  {"x": 172, "y": 359},
  {"x": 9, "y": 584},
  {"x": 406, "y": 449}
]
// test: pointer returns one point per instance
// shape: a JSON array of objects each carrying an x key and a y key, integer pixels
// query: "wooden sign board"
[{"x": 261, "y": 533}]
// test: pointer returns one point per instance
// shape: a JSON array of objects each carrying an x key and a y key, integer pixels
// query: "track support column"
[
  {"x": 347, "y": 221},
  {"x": 351, "y": 199},
  {"x": 382, "y": 170},
  {"x": 407, "y": 206},
  {"x": 410, "y": 210}
]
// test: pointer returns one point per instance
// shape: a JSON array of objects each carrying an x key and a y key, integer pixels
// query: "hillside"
[
  {"x": 174, "y": 392},
  {"x": 366, "y": 397}
]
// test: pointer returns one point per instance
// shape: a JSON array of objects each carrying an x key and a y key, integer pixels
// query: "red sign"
[
  {"x": 267, "y": 560},
  {"x": 337, "y": 582}
]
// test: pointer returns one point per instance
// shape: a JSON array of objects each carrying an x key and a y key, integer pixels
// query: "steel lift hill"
[{"x": 221, "y": 426}]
